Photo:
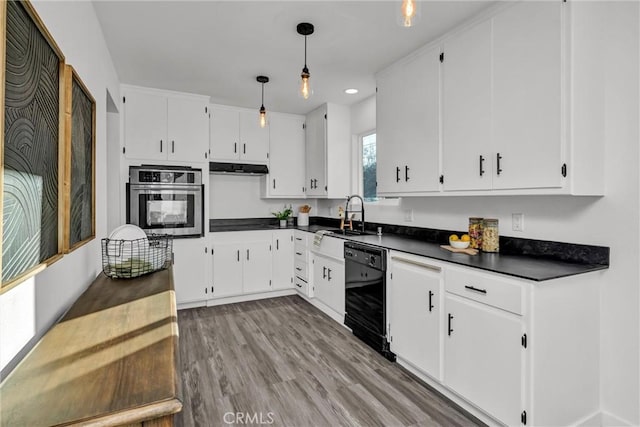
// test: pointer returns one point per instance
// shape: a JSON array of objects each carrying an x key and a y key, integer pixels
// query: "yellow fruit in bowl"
[
  {"x": 465, "y": 238},
  {"x": 453, "y": 238}
]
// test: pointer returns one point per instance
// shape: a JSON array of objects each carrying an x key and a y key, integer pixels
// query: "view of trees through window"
[{"x": 369, "y": 167}]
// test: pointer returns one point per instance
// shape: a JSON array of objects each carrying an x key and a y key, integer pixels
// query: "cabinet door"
[
  {"x": 316, "y": 153},
  {"x": 414, "y": 315},
  {"x": 145, "y": 126},
  {"x": 224, "y": 128},
  {"x": 189, "y": 270},
  {"x": 286, "y": 157},
  {"x": 188, "y": 130},
  {"x": 227, "y": 269},
  {"x": 388, "y": 108},
  {"x": 319, "y": 278},
  {"x": 254, "y": 140},
  {"x": 418, "y": 126},
  {"x": 527, "y": 69},
  {"x": 282, "y": 249},
  {"x": 466, "y": 116},
  {"x": 257, "y": 266},
  {"x": 335, "y": 286},
  {"x": 483, "y": 357}
]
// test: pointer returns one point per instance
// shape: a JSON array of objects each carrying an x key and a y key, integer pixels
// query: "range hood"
[{"x": 237, "y": 168}]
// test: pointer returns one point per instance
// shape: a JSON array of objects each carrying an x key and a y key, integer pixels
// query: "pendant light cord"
[{"x": 305, "y": 51}]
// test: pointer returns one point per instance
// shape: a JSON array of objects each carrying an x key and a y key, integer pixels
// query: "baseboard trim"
[{"x": 250, "y": 297}]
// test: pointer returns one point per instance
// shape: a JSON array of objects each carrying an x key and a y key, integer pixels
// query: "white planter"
[{"x": 283, "y": 223}]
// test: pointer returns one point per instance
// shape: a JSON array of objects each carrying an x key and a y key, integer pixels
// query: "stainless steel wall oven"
[{"x": 166, "y": 200}]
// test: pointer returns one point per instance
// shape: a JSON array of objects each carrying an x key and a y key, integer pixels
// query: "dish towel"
[{"x": 317, "y": 238}]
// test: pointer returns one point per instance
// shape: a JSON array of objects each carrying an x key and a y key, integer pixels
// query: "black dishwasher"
[{"x": 365, "y": 295}]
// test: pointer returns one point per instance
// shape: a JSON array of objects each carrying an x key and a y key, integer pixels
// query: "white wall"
[
  {"x": 31, "y": 307},
  {"x": 233, "y": 196},
  {"x": 613, "y": 220}
]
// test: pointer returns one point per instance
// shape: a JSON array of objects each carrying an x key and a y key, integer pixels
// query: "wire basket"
[{"x": 126, "y": 259}]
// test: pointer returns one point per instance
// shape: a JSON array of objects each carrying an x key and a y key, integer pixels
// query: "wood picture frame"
[
  {"x": 80, "y": 160},
  {"x": 31, "y": 154}
]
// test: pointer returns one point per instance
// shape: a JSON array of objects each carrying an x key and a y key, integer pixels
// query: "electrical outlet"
[
  {"x": 517, "y": 222},
  {"x": 408, "y": 215}
]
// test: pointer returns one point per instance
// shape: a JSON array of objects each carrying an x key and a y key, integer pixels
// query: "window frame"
[{"x": 358, "y": 177}]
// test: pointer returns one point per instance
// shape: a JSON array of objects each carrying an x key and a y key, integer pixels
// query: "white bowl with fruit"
[{"x": 461, "y": 242}]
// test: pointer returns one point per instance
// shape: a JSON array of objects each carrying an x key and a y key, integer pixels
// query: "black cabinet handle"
[
  {"x": 450, "y": 329},
  {"x": 298, "y": 285},
  {"x": 298, "y": 268},
  {"x": 247, "y": 254},
  {"x": 498, "y": 158},
  {"x": 397, "y": 173},
  {"x": 329, "y": 274},
  {"x": 274, "y": 183},
  {"x": 235, "y": 147},
  {"x": 238, "y": 255},
  {"x": 481, "y": 165},
  {"x": 173, "y": 146},
  {"x": 297, "y": 238},
  {"x": 406, "y": 173},
  {"x": 430, "y": 301},
  {"x": 277, "y": 244},
  {"x": 298, "y": 253},
  {"x": 471, "y": 288},
  {"x": 244, "y": 148},
  {"x": 315, "y": 183},
  {"x": 324, "y": 272},
  {"x": 161, "y": 146}
]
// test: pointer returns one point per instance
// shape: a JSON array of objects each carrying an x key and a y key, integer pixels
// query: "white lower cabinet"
[
  {"x": 303, "y": 280},
  {"x": 415, "y": 310},
  {"x": 189, "y": 270},
  {"x": 483, "y": 357},
  {"x": 282, "y": 251},
  {"x": 242, "y": 263},
  {"x": 328, "y": 282}
]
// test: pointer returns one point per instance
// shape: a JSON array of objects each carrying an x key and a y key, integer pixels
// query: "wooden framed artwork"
[
  {"x": 31, "y": 155},
  {"x": 79, "y": 173}
]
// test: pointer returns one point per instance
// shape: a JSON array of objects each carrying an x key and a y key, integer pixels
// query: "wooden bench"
[{"x": 111, "y": 360}]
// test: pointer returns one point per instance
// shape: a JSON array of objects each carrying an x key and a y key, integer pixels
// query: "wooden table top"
[{"x": 111, "y": 360}]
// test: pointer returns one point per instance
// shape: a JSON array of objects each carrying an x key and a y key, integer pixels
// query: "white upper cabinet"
[
  {"x": 286, "y": 176},
  {"x": 408, "y": 132},
  {"x": 328, "y": 152},
  {"x": 162, "y": 125},
  {"x": 502, "y": 101},
  {"x": 466, "y": 104},
  {"x": 527, "y": 71},
  {"x": 236, "y": 136}
]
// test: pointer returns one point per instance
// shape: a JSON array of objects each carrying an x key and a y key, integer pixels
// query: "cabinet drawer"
[
  {"x": 484, "y": 288},
  {"x": 301, "y": 238},
  {"x": 301, "y": 269},
  {"x": 300, "y": 254},
  {"x": 301, "y": 286}
]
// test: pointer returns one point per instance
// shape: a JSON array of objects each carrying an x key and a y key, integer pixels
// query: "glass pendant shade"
[{"x": 409, "y": 13}]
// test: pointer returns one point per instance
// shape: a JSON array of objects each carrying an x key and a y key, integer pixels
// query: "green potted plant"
[{"x": 283, "y": 215}]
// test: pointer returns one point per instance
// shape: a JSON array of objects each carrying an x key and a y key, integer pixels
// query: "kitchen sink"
[{"x": 351, "y": 232}]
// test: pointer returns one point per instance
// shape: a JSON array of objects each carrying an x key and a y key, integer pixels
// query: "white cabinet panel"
[
  {"x": 527, "y": 53},
  {"x": 329, "y": 282},
  {"x": 223, "y": 134},
  {"x": 316, "y": 153},
  {"x": 286, "y": 176},
  {"x": 227, "y": 269},
  {"x": 282, "y": 250},
  {"x": 145, "y": 126},
  {"x": 483, "y": 357},
  {"x": 466, "y": 115},
  {"x": 254, "y": 139},
  {"x": 414, "y": 313},
  {"x": 256, "y": 266},
  {"x": 189, "y": 270},
  {"x": 408, "y": 128},
  {"x": 188, "y": 128}
]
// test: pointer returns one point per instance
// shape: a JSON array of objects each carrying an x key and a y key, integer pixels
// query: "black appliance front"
[{"x": 365, "y": 296}]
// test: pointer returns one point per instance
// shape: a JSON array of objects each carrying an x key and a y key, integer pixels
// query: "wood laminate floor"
[{"x": 282, "y": 362}]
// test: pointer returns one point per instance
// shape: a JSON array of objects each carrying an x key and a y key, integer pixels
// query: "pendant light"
[
  {"x": 305, "y": 29},
  {"x": 263, "y": 111},
  {"x": 409, "y": 13}
]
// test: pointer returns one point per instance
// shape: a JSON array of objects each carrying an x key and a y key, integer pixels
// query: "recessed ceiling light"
[{"x": 351, "y": 91}]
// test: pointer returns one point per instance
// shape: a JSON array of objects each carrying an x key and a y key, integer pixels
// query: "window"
[{"x": 369, "y": 167}]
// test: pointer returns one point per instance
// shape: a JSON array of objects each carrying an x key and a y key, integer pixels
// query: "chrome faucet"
[{"x": 346, "y": 210}]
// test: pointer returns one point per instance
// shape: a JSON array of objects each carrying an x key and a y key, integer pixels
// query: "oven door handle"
[{"x": 165, "y": 188}]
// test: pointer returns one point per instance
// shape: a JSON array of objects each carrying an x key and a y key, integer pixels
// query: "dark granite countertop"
[{"x": 523, "y": 258}]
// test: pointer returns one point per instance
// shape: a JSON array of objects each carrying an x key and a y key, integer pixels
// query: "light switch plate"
[{"x": 517, "y": 222}]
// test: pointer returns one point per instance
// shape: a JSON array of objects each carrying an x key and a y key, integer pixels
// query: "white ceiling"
[{"x": 217, "y": 48}]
